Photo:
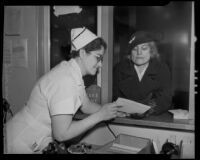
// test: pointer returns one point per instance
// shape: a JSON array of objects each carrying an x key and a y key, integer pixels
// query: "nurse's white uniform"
[{"x": 60, "y": 91}]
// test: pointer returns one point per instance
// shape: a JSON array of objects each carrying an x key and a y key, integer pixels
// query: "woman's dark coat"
[{"x": 155, "y": 84}]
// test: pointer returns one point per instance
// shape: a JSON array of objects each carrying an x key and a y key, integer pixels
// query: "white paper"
[
  {"x": 19, "y": 53},
  {"x": 7, "y": 71},
  {"x": 130, "y": 106},
  {"x": 180, "y": 113},
  {"x": 61, "y": 10},
  {"x": 7, "y": 52}
]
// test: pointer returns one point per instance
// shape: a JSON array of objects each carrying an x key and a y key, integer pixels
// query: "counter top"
[{"x": 163, "y": 121}]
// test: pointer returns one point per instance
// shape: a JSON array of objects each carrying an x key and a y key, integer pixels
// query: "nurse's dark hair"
[{"x": 92, "y": 46}]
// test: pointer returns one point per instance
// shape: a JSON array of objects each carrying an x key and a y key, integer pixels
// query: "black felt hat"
[{"x": 140, "y": 37}]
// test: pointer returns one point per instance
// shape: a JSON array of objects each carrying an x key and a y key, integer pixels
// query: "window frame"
[{"x": 105, "y": 29}]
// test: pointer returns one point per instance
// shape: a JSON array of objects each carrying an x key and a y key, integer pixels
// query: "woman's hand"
[
  {"x": 152, "y": 104},
  {"x": 108, "y": 111}
]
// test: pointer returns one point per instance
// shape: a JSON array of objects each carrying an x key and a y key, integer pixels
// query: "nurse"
[
  {"x": 57, "y": 96},
  {"x": 143, "y": 76}
]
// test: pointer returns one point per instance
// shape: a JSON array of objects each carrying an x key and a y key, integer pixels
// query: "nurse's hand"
[{"x": 108, "y": 111}]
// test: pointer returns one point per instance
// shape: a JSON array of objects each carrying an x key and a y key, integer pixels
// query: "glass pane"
[
  {"x": 172, "y": 26},
  {"x": 60, "y": 27}
]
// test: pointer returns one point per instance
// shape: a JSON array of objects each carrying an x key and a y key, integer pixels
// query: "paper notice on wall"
[
  {"x": 7, "y": 51},
  {"x": 19, "y": 53}
]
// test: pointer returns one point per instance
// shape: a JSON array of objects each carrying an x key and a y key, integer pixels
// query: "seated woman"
[{"x": 142, "y": 76}]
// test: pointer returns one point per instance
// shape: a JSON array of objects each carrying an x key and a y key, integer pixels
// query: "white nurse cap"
[{"x": 80, "y": 37}]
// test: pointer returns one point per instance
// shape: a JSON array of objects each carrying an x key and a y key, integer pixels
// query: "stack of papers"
[
  {"x": 130, "y": 106},
  {"x": 180, "y": 114}
]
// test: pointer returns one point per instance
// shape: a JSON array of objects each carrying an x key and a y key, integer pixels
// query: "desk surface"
[{"x": 163, "y": 121}]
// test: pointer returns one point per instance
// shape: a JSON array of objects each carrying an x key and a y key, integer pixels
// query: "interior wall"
[{"x": 18, "y": 79}]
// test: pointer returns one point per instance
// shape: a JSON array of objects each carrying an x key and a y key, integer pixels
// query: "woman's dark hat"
[{"x": 140, "y": 37}]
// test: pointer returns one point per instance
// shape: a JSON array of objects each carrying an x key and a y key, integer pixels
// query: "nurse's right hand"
[{"x": 107, "y": 112}]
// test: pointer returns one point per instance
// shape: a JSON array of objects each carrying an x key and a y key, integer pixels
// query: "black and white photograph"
[{"x": 100, "y": 79}]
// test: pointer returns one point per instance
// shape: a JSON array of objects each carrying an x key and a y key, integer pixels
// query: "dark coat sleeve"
[{"x": 163, "y": 95}]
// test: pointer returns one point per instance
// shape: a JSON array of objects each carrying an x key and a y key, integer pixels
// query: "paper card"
[
  {"x": 62, "y": 10},
  {"x": 20, "y": 53},
  {"x": 130, "y": 106},
  {"x": 180, "y": 113}
]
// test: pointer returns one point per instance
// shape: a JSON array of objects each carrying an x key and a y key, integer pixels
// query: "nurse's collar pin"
[{"x": 131, "y": 40}]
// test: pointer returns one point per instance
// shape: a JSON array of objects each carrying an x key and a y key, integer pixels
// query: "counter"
[{"x": 163, "y": 121}]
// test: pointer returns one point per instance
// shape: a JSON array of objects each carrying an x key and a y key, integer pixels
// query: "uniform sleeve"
[
  {"x": 63, "y": 97},
  {"x": 164, "y": 94}
]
